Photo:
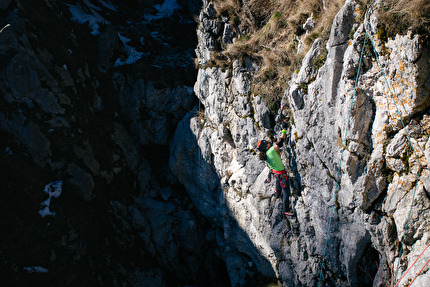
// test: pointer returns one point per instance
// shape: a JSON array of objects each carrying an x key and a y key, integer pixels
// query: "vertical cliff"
[
  {"x": 357, "y": 155},
  {"x": 123, "y": 165},
  {"x": 91, "y": 93}
]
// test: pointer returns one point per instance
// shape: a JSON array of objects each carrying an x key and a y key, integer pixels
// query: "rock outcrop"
[
  {"x": 160, "y": 188},
  {"x": 91, "y": 93},
  {"x": 358, "y": 135}
]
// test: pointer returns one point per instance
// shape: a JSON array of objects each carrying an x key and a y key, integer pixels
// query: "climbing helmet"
[{"x": 262, "y": 145}]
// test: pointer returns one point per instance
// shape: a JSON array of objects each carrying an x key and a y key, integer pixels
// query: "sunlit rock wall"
[{"x": 341, "y": 130}]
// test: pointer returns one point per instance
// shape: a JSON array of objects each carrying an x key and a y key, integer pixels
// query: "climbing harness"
[{"x": 281, "y": 176}]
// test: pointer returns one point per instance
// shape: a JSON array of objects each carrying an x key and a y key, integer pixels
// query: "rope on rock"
[
  {"x": 343, "y": 148},
  {"x": 419, "y": 272},
  {"x": 4, "y": 27},
  {"x": 412, "y": 265},
  {"x": 392, "y": 97},
  {"x": 341, "y": 158},
  {"x": 410, "y": 143}
]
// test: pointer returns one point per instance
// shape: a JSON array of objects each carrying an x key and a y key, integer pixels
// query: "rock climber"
[{"x": 271, "y": 154}]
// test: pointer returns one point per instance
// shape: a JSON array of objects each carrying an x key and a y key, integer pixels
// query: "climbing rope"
[
  {"x": 412, "y": 265},
  {"x": 379, "y": 271},
  {"x": 409, "y": 217},
  {"x": 341, "y": 158},
  {"x": 4, "y": 27},
  {"x": 410, "y": 143},
  {"x": 419, "y": 272},
  {"x": 344, "y": 144},
  {"x": 392, "y": 97}
]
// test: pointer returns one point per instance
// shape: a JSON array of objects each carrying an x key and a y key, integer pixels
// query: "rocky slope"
[
  {"x": 91, "y": 93},
  {"x": 113, "y": 173},
  {"x": 378, "y": 214}
]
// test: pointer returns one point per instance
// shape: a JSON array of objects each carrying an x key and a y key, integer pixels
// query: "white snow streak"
[
  {"x": 166, "y": 9},
  {"x": 53, "y": 189},
  {"x": 36, "y": 269},
  {"x": 133, "y": 55}
]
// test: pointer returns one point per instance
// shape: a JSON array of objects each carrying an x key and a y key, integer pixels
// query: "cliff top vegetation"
[{"x": 272, "y": 32}]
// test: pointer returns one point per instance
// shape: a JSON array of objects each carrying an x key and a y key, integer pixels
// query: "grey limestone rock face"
[
  {"x": 116, "y": 135},
  {"x": 309, "y": 24},
  {"x": 353, "y": 135}
]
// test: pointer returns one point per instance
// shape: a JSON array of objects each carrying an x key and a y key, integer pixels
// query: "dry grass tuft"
[
  {"x": 399, "y": 16},
  {"x": 269, "y": 31}
]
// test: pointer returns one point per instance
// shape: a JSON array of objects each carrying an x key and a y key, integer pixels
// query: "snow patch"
[
  {"x": 133, "y": 55},
  {"x": 35, "y": 269},
  {"x": 94, "y": 20},
  {"x": 53, "y": 189},
  {"x": 166, "y": 9}
]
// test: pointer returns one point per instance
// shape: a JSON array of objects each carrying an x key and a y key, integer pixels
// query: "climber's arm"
[{"x": 280, "y": 142}]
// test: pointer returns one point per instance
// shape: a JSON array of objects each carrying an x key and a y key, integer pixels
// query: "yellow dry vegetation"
[
  {"x": 269, "y": 31},
  {"x": 399, "y": 16}
]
